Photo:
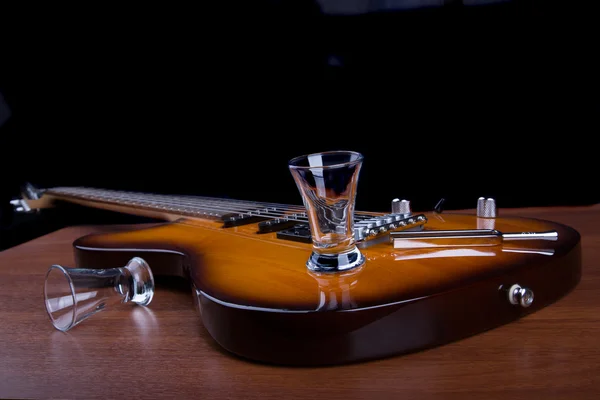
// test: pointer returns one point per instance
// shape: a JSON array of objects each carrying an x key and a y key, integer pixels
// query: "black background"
[{"x": 457, "y": 102}]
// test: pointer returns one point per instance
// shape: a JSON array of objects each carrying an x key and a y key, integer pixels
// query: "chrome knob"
[
  {"x": 395, "y": 206},
  {"x": 400, "y": 206},
  {"x": 486, "y": 208},
  {"x": 518, "y": 295}
]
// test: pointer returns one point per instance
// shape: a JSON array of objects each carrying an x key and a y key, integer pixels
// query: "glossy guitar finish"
[{"x": 258, "y": 300}]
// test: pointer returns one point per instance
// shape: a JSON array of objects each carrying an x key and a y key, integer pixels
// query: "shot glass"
[
  {"x": 74, "y": 294},
  {"x": 327, "y": 182}
]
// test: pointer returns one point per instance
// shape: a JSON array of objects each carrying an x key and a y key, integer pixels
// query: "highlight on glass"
[
  {"x": 74, "y": 294},
  {"x": 328, "y": 182}
]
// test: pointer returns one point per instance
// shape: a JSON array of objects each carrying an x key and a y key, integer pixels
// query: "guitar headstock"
[{"x": 32, "y": 199}]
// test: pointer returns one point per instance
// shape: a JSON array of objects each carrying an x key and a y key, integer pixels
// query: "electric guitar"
[{"x": 428, "y": 278}]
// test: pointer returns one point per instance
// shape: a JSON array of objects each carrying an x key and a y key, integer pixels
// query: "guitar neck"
[
  {"x": 270, "y": 217},
  {"x": 172, "y": 207}
]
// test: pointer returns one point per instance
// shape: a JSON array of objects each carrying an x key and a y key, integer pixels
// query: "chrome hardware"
[
  {"x": 30, "y": 192},
  {"x": 462, "y": 237},
  {"x": 401, "y": 207},
  {"x": 486, "y": 208},
  {"x": 20, "y": 206},
  {"x": 376, "y": 226},
  {"x": 518, "y": 295},
  {"x": 396, "y": 206},
  {"x": 548, "y": 235}
]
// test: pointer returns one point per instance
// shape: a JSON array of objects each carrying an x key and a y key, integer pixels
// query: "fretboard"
[
  {"x": 184, "y": 205},
  {"x": 232, "y": 212}
]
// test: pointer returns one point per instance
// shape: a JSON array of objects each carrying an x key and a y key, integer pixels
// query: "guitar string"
[
  {"x": 218, "y": 207},
  {"x": 213, "y": 206},
  {"x": 139, "y": 195},
  {"x": 253, "y": 212},
  {"x": 158, "y": 198},
  {"x": 196, "y": 200},
  {"x": 141, "y": 200},
  {"x": 229, "y": 207},
  {"x": 259, "y": 211},
  {"x": 202, "y": 200}
]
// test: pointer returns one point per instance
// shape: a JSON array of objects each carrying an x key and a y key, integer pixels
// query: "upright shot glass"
[{"x": 327, "y": 182}]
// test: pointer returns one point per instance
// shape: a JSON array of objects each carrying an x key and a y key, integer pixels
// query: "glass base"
[{"x": 335, "y": 262}]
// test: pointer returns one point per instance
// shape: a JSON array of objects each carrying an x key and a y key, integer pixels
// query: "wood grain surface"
[{"x": 164, "y": 351}]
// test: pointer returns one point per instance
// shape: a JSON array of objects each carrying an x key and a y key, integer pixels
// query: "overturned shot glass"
[
  {"x": 327, "y": 182},
  {"x": 74, "y": 294}
]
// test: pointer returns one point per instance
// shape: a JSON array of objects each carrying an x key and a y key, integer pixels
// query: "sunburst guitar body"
[{"x": 258, "y": 300}]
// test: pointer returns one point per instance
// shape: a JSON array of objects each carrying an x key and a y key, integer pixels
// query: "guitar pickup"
[
  {"x": 299, "y": 233},
  {"x": 279, "y": 224},
  {"x": 231, "y": 220}
]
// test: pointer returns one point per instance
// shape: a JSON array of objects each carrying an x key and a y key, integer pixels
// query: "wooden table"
[{"x": 164, "y": 351}]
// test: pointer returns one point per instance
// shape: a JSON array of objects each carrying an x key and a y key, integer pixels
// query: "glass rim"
[
  {"x": 359, "y": 158},
  {"x": 71, "y": 287}
]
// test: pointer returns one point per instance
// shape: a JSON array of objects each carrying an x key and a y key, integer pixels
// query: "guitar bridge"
[
  {"x": 377, "y": 226},
  {"x": 364, "y": 230}
]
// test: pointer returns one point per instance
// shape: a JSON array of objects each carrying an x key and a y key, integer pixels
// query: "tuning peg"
[
  {"x": 30, "y": 192},
  {"x": 20, "y": 206}
]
